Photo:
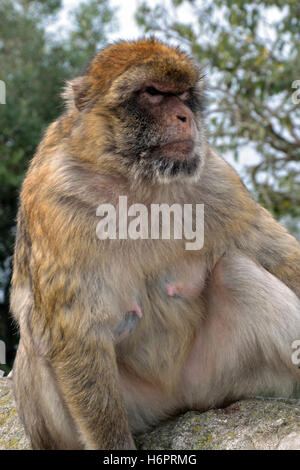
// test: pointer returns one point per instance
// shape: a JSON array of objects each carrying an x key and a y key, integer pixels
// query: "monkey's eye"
[{"x": 152, "y": 91}]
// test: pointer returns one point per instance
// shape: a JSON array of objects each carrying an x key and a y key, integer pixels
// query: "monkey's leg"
[{"x": 244, "y": 347}]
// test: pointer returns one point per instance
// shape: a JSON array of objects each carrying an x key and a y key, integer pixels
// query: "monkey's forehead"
[{"x": 161, "y": 62}]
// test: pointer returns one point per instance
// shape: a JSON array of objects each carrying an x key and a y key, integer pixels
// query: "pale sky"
[{"x": 125, "y": 13}]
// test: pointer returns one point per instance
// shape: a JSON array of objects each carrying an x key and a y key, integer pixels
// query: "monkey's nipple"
[{"x": 136, "y": 308}]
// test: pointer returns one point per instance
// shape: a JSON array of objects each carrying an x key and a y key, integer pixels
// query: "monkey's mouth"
[{"x": 176, "y": 150}]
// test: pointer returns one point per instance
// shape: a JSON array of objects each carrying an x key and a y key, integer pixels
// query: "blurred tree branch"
[{"x": 251, "y": 53}]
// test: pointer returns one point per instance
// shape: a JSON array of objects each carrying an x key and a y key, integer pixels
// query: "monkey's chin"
[
  {"x": 163, "y": 169},
  {"x": 180, "y": 168}
]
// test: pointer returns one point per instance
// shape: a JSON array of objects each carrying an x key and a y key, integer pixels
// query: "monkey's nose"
[{"x": 186, "y": 124}]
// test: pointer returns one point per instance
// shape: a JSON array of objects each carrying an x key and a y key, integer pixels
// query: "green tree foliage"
[
  {"x": 35, "y": 60},
  {"x": 251, "y": 54}
]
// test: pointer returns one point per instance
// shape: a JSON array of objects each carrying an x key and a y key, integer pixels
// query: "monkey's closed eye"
[{"x": 152, "y": 91}]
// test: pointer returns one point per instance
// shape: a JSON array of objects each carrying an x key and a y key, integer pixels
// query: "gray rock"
[
  {"x": 258, "y": 423},
  {"x": 12, "y": 434}
]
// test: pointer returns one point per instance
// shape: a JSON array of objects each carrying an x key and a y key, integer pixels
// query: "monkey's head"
[{"x": 148, "y": 99}]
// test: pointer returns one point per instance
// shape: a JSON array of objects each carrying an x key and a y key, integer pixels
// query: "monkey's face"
[
  {"x": 149, "y": 98},
  {"x": 159, "y": 133}
]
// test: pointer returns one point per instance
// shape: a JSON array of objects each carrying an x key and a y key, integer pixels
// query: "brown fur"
[{"x": 74, "y": 387}]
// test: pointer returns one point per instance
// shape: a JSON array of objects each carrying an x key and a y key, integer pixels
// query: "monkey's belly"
[
  {"x": 185, "y": 383},
  {"x": 153, "y": 358},
  {"x": 146, "y": 403}
]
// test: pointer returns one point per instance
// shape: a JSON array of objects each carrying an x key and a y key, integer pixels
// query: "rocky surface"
[
  {"x": 249, "y": 424},
  {"x": 12, "y": 434},
  {"x": 246, "y": 425}
]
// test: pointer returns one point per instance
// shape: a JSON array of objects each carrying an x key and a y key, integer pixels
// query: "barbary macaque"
[{"x": 118, "y": 334}]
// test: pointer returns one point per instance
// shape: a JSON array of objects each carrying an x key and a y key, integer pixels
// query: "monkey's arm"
[
  {"x": 276, "y": 250},
  {"x": 235, "y": 218},
  {"x": 81, "y": 350},
  {"x": 71, "y": 354}
]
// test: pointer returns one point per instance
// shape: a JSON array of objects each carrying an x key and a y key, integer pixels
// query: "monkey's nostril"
[{"x": 182, "y": 118}]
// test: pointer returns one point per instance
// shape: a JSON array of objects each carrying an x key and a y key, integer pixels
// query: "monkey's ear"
[{"x": 75, "y": 93}]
